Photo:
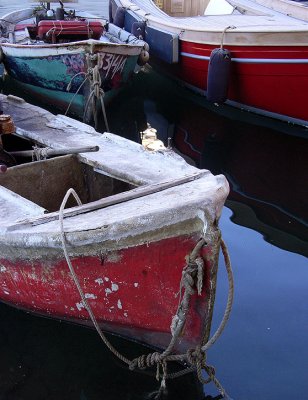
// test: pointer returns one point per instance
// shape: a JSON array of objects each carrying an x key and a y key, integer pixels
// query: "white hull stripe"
[{"x": 254, "y": 60}]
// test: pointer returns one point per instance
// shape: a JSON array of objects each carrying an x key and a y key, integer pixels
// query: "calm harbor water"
[{"x": 263, "y": 352}]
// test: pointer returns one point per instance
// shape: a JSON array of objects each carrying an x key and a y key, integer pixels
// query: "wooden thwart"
[{"x": 110, "y": 201}]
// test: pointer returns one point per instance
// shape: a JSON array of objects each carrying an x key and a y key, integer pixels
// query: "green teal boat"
[{"x": 77, "y": 63}]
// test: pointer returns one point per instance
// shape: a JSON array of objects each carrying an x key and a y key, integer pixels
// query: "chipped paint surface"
[
  {"x": 80, "y": 306},
  {"x": 114, "y": 287},
  {"x": 115, "y": 301},
  {"x": 90, "y": 296}
]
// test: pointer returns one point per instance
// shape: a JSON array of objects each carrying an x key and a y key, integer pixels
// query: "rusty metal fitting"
[{"x": 6, "y": 124}]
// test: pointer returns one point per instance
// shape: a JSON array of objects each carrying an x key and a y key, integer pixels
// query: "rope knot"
[
  {"x": 39, "y": 153},
  {"x": 196, "y": 356},
  {"x": 145, "y": 361}
]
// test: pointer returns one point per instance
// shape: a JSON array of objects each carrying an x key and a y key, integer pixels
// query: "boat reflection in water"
[
  {"x": 44, "y": 359},
  {"x": 266, "y": 171},
  {"x": 266, "y": 168}
]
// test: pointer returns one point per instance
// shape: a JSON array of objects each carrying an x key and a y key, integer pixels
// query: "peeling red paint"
[{"x": 137, "y": 292}]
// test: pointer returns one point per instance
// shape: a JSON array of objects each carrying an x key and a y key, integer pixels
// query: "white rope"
[{"x": 76, "y": 280}]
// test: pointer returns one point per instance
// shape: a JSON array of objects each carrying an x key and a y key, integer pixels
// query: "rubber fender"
[
  {"x": 110, "y": 12},
  {"x": 146, "y": 47},
  {"x": 143, "y": 57},
  {"x": 218, "y": 75},
  {"x": 138, "y": 30},
  {"x": 119, "y": 17}
]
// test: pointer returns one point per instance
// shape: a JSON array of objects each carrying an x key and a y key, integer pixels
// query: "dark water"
[{"x": 263, "y": 352}]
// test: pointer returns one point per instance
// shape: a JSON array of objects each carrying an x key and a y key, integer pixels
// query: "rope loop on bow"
[{"x": 192, "y": 280}]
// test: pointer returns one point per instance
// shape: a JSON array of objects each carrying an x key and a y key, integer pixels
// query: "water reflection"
[
  {"x": 266, "y": 169},
  {"x": 44, "y": 359}
]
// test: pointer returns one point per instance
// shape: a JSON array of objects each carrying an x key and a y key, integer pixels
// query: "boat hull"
[
  {"x": 268, "y": 72},
  {"x": 57, "y": 75},
  {"x": 142, "y": 213},
  {"x": 132, "y": 292},
  {"x": 56, "y": 99},
  {"x": 268, "y": 84}
]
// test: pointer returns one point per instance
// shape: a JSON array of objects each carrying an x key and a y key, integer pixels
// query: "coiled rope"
[{"x": 192, "y": 277}]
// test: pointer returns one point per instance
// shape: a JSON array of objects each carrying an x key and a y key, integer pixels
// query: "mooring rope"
[
  {"x": 68, "y": 88},
  {"x": 195, "y": 357},
  {"x": 76, "y": 280},
  {"x": 39, "y": 153},
  {"x": 192, "y": 278},
  {"x": 223, "y": 35},
  {"x": 96, "y": 91}
]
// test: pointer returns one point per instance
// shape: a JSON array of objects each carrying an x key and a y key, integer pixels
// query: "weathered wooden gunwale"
[
  {"x": 129, "y": 255},
  {"x": 153, "y": 173}
]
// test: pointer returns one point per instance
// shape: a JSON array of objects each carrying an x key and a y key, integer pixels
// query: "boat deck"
[
  {"x": 15, "y": 207},
  {"x": 257, "y": 18},
  {"x": 114, "y": 158},
  {"x": 60, "y": 132}
]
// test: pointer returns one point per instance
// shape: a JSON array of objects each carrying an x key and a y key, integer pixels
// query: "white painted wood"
[
  {"x": 254, "y": 23},
  {"x": 189, "y": 206}
]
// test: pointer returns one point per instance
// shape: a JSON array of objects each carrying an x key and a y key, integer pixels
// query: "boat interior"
[
  {"x": 45, "y": 182},
  {"x": 44, "y": 24}
]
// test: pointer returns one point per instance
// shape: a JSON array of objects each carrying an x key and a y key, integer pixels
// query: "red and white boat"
[
  {"x": 261, "y": 59},
  {"x": 143, "y": 213}
]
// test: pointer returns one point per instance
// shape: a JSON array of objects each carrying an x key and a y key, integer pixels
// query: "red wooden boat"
[
  {"x": 142, "y": 214},
  {"x": 249, "y": 54}
]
